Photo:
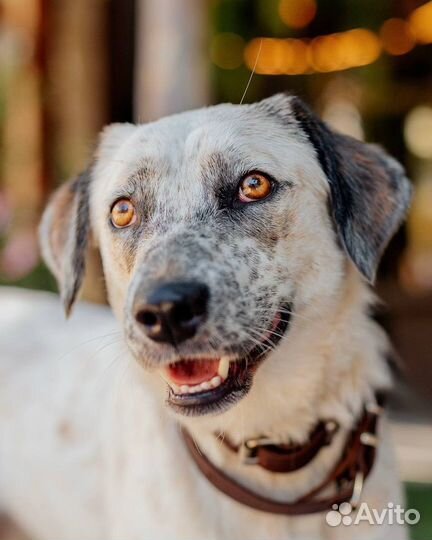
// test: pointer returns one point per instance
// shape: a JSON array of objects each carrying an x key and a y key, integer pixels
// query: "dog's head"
[{"x": 217, "y": 228}]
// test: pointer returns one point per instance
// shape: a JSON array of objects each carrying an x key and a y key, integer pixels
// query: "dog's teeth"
[
  {"x": 216, "y": 381},
  {"x": 223, "y": 368},
  {"x": 206, "y": 385}
]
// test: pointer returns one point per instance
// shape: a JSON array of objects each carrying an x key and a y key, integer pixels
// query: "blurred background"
[{"x": 68, "y": 67}]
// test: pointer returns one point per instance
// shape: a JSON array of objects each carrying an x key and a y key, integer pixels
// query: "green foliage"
[
  {"x": 39, "y": 278},
  {"x": 419, "y": 496}
]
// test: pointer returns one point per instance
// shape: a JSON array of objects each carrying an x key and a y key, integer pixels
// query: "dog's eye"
[
  {"x": 253, "y": 187},
  {"x": 123, "y": 213}
]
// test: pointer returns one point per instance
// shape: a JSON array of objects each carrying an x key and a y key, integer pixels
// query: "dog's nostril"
[
  {"x": 182, "y": 313},
  {"x": 147, "y": 318}
]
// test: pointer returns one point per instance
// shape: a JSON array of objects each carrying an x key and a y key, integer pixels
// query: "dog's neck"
[{"x": 325, "y": 369}]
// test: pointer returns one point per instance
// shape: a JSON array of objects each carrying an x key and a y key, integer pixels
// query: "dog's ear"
[
  {"x": 369, "y": 192},
  {"x": 64, "y": 235},
  {"x": 65, "y": 230}
]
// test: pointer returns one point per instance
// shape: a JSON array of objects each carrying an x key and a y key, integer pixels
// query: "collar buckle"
[
  {"x": 357, "y": 490},
  {"x": 249, "y": 448}
]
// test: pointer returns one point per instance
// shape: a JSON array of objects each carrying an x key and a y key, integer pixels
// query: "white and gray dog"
[{"x": 238, "y": 243}]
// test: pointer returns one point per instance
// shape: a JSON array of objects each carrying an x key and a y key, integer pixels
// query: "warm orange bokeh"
[
  {"x": 297, "y": 13},
  {"x": 396, "y": 37}
]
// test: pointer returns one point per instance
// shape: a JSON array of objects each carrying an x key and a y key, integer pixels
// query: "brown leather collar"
[
  {"x": 347, "y": 476},
  {"x": 284, "y": 458}
]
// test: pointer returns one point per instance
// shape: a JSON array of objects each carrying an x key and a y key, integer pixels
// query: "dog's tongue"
[{"x": 193, "y": 372}]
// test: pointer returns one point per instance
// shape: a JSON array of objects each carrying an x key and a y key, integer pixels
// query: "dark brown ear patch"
[
  {"x": 64, "y": 234},
  {"x": 369, "y": 192}
]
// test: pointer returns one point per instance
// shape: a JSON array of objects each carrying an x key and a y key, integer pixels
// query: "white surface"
[{"x": 413, "y": 450}]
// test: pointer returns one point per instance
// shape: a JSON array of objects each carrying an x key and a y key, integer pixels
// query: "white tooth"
[
  {"x": 223, "y": 368},
  {"x": 194, "y": 389},
  {"x": 205, "y": 385},
  {"x": 215, "y": 381},
  {"x": 184, "y": 389}
]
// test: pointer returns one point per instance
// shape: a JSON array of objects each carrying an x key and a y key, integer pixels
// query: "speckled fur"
[{"x": 182, "y": 172}]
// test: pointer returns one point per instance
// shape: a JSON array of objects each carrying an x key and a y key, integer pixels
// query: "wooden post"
[
  {"x": 77, "y": 80},
  {"x": 171, "y": 69},
  {"x": 78, "y": 98}
]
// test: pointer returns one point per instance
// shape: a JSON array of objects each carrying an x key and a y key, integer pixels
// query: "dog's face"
[{"x": 216, "y": 228}]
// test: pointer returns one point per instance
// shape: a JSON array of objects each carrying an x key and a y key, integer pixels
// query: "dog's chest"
[
  {"x": 164, "y": 496},
  {"x": 157, "y": 492}
]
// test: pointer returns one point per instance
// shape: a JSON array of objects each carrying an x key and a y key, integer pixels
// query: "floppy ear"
[
  {"x": 64, "y": 234},
  {"x": 65, "y": 227},
  {"x": 369, "y": 192}
]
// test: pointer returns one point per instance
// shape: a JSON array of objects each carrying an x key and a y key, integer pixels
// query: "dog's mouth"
[{"x": 202, "y": 385}]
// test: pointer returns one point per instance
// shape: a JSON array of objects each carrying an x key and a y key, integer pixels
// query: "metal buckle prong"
[
  {"x": 369, "y": 439},
  {"x": 248, "y": 449},
  {"x": 357, "y": 490},
  {"x": 374, "y": 408}
]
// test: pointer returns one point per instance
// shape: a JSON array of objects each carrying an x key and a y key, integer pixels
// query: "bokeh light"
[
  {"x": 358, "y": 47},
  {"x": 335, "y": 52},
  {"x": 338, "y": 51},
  {"x": 396, "y": 36},
  {"x": 263, "y": 54},
  {"x": 297, "y": 13},
  {"x": 277, "y": 56},
  {"x": 226, "y": 50},
  {"x": 296, "y": 59},
  {"x": 345, "y": 117},
  {"x": 418, "y": 131},
  {"x": 421, "y": 23}
]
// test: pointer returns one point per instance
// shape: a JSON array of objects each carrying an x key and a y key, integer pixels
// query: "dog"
[{"x": 238, "y": 245}]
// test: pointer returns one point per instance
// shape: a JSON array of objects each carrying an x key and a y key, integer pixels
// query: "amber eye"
[
  {"x": 254, "y": 187},
  {"x": 123, "y": 213}
]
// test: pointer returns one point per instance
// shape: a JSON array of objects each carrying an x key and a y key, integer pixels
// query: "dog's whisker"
[
  {"x": 221, "y": 438},
  {"x": 86, "y": 342},
  {"x": 264, "y": 346},
  {"x": 298, "y": 315},
  {"x": 264, "y": 330},
  {"x": 273, "y": 346},
  {"x": 264, "y": 349},
  {"x": 103, "y": 347},
  {"x": 242, "y": 422},
  {"x": 260, "y": 332},
  {"x": 284, "y": 311},
  {"x": 114, "y": 362},
  {"x": 117, "y": 389}
]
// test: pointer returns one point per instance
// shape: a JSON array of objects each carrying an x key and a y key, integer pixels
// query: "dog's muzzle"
[{"x": 208, "y": 380}]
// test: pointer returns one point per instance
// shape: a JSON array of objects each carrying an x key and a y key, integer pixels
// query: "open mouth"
[{"x": 199, "y": 386}]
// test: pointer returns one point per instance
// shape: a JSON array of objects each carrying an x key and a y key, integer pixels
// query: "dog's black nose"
[{"x": 173, "y": 311}]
